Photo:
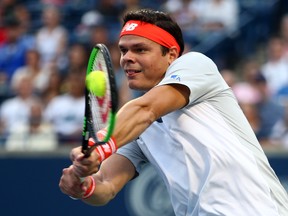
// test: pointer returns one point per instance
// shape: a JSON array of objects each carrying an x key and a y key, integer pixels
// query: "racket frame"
[{"x": 86, "y": 149}]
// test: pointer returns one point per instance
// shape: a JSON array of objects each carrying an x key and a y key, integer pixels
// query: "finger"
[
  {"x": 84, "y": 185},
  {"x": 80, "y": 157},
  {"x": 75, "y": 152},
  {"x": 71, "y": 187},
  {"x": 79, "y": 171}
]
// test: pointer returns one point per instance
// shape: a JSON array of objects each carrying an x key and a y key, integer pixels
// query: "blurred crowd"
[{"x": 45, "y": 46}]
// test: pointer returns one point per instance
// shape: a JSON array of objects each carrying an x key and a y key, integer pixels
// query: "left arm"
[{"x": 137, "y": 115}]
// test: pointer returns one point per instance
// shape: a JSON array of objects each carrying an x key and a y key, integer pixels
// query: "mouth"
[{"x": 131, "y": 72}]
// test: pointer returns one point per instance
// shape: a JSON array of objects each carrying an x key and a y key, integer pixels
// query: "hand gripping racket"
[{"x": 100, "y": 111}]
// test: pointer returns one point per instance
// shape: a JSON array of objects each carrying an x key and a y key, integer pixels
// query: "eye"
[
  {"x": 123, "y": 51},
  {"x": 140, "y": 50}
]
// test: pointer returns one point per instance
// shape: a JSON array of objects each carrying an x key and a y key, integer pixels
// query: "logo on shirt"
[{"x": 175, "y": 77}]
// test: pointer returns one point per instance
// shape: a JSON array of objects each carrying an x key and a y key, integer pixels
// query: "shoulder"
[
  {"x": 61, "y": 30},
  {"x": 195, "y": 55},
  {"x": 195, "y": 60},
  {"x": 193, "y": 63},
  {"x": 10, "y": 102},
  {"x": 57, "y": 101}
]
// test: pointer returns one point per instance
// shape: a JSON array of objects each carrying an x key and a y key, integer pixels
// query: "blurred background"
[{"x": 44, "y": 50}]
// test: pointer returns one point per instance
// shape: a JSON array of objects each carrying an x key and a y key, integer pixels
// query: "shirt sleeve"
[
  {"x": 199, "y": 73},
  {"x": 133, "y": 152}
]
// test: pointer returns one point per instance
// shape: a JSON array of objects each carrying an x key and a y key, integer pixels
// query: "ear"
[{"x": 173, "y": 54}]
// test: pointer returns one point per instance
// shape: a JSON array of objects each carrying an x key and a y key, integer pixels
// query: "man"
[
  {"x": 13, "y": 50},
  {"x": 188, "y": 125}
]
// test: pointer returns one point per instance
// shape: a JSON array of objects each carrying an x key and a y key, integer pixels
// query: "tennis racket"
[{"x": 100, "y": 112}]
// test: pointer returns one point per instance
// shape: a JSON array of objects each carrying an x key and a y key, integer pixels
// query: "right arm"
[{"x": 113, "y": 174}]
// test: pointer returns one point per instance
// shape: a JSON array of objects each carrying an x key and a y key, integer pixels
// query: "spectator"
[
  {"x": 93, "y": 29},
  {"x": 275, "y": 68},
  {"x": 281, "y": 96},
  {"x": 5, "y": 91},
  {"x": 279, "y": 134},
  {"x": 57, "y": 3},
  {"x": 101, "y": 23},
  {"x": 218, "y": 21},
  {"x": 13, "y": 50},
  {"x": 66, "y": 111},
  {"x": 52, "y": 38},
  {"x": 131, "y": 5},
  {"x": 250, "y": 69},
  {"x": 23, "y": 15},
  {"x": 219, "y": 16},
  {"x": 269, "y": 111},
  {"x": 38, "y": 73},
  {"x": 99, "y": 34},
  {"x": 34, "y": 135},
  {"x": 83, "y": 30},
  {"x": 54, "y": 86},
  {"x": 284, "y": 33},
  {"x": 245, "y": 90},
  {"x": 229, "y": 76},
  {"x": 6, "y": 10},
  {"x": 2, "y": 34},
  {"x": 15, "y": 110},
  {"x": 186, "y": 13},
  {"x": 78, "y": 56},
  {"x": 111, "y": 10},
  {"x": 251, "y": 112},
  {"x": 253, "y": 97}
]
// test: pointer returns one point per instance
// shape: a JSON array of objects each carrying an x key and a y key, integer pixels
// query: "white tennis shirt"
[{"x": 207, "y": 153}]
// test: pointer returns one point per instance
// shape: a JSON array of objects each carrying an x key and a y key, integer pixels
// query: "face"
[
  {"x": 143, "y": 61},
  {"x": 275, "y": 49}
]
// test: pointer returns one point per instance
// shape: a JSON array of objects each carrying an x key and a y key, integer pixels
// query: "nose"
[{"x": 128, "y": 57}]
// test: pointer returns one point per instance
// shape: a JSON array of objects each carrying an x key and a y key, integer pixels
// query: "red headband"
[{"x": 151, "y": 32}]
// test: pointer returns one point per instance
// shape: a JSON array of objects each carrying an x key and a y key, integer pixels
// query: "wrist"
[
  {"x": 91, "y": 188},
  {"x": 107, "y": 149}
]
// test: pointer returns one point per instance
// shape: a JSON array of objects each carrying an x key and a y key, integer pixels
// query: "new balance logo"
[
  {"x": 130, "y": 27},
  {"x": 175, "y": 77}
]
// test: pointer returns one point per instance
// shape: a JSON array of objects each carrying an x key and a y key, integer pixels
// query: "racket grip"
[{"x": 90, "y": 189}]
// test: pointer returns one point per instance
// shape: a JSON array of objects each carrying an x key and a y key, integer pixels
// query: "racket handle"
[
  {"x": 90, "y": 189},
  {"x": 82, "y": 180}
]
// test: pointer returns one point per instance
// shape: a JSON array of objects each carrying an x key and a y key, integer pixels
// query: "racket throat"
[{"x": 87, "y": 135}]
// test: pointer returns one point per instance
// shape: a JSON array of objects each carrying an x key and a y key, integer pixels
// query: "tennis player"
[{"x": 188, "y": 125}]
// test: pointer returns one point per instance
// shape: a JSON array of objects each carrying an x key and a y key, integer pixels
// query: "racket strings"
[
  {"x": 100, "y": 64},
  {"x": 100, "y": 107}
]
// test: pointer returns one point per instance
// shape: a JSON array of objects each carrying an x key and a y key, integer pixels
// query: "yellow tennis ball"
[{"x": 96, "y": 83}]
